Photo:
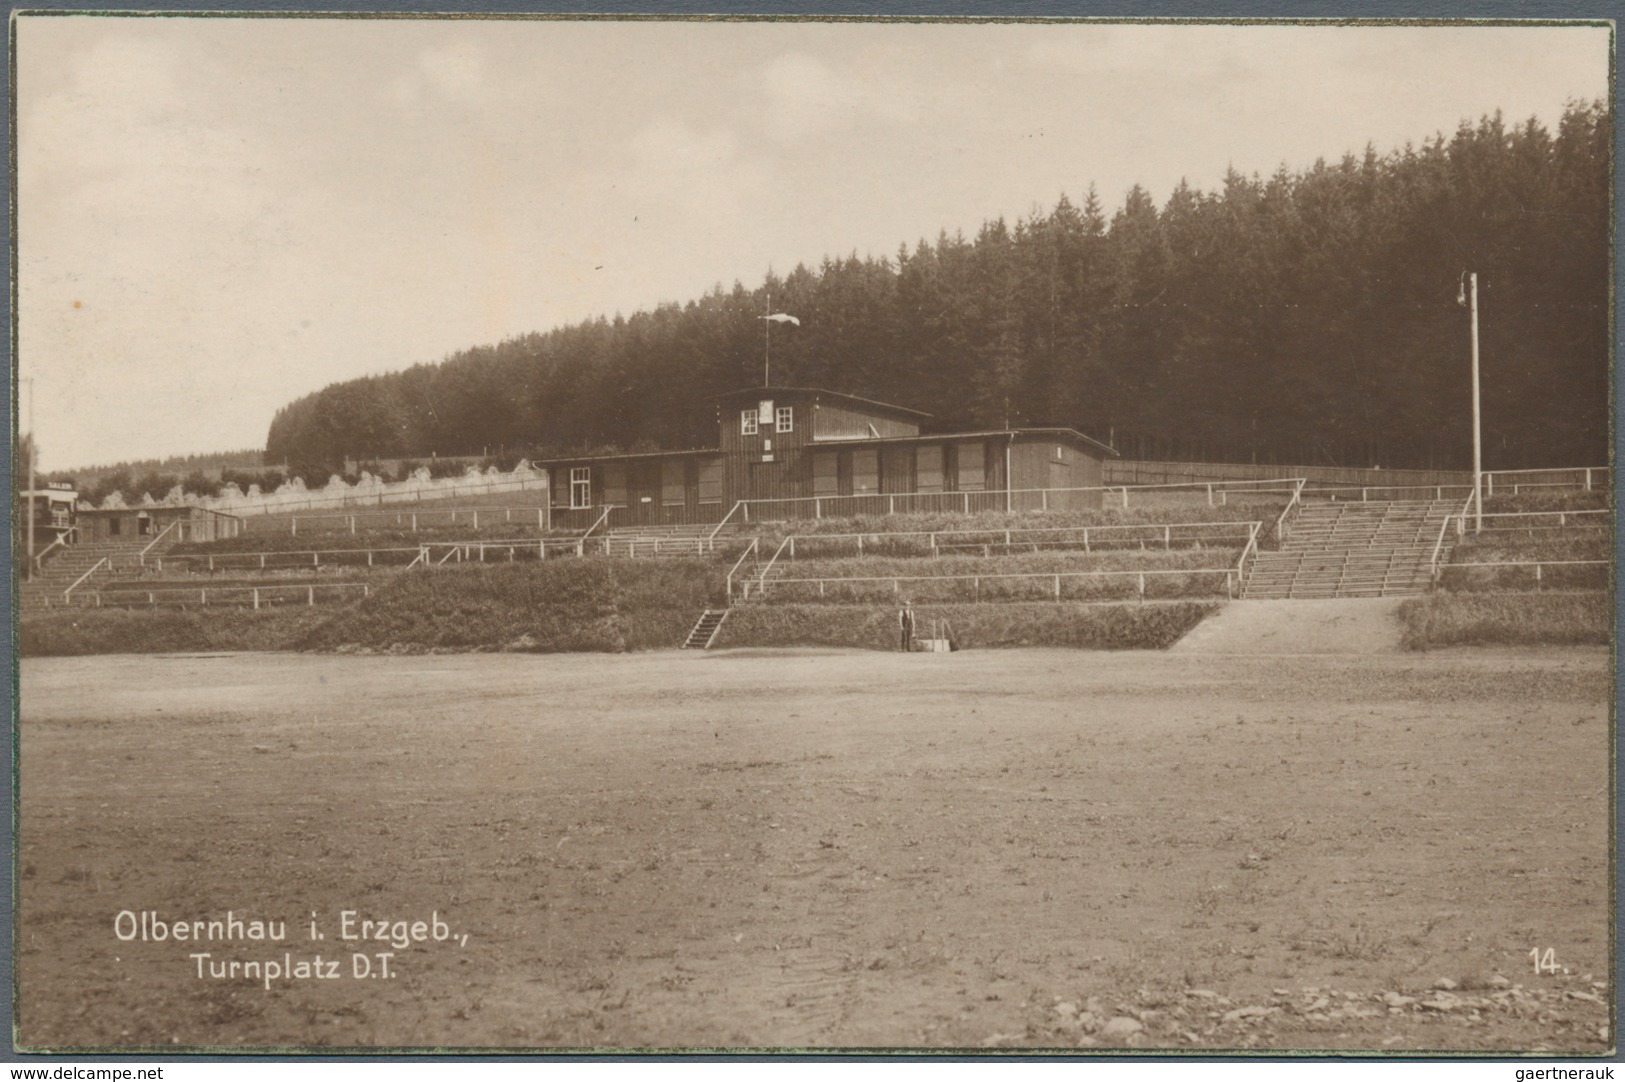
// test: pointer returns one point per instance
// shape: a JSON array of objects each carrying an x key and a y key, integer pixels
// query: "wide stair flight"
[
  {"x": 66, "y": 566},
  {"x": 1353, "y": 549}
]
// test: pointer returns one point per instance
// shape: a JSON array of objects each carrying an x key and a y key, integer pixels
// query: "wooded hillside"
[{"x": 1307, "y": 317}]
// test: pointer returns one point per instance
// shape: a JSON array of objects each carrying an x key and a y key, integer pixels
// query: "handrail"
[
  {"x": 1217, "y": 525},
  {"x": 1433, "y": 560},
  {"x": 141, "y": 557},
  {"x": 711, "y": 537},
  {"x": 762, "y": 576},
  {"x": 1461, "y": 516},
  {"x": 895, "y": 580},
  {"x": 1280, "y": 520},
  {"x": 608, "y": 507},
  {"x": 1262, "y": 486},
  {"x": 66, "y": 594},
  {"x": 59, "y": 542},
  {"x": 1250, "y": 550},
  {"x": 749, "y": 551}
]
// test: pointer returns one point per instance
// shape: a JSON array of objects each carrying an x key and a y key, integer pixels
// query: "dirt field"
[{"x": 1044, "y": 849}]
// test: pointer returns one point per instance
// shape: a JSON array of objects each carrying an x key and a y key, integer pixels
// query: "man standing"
[{"x": 905, "y": 621}]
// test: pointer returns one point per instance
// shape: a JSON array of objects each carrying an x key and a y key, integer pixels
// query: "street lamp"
[{"x": 1467, "y": 294}]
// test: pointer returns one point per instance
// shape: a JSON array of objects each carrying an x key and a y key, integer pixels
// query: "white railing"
[
  {"x": 788, "y": 542},
  {"x": 61, "y": 542},
  {"x": 710, "y": 538},
  {"x": 1536, "y": 564},
  {"x": 750, "y": 550},
  {"x": 412, "y": 519},
  {"x": 68, "y": 593},
  {"x": 224, "y": 595},
  {"x": 1438, "y": 546},
  {"x": 599, "y": 521},
  {"x": 999, "y": 500},
  {"x": 1054, "y": 577},
  {"x": 1280, "y": 520},
  {"x": 141, "y": 557},
  {"x": 1581, "y": 477},
  {"x": 1031, "y": 538},
  {"x": 1241, "y": 564},
  {"x": 1562, "y": 517}
]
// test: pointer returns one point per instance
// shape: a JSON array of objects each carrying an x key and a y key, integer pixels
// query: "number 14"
[{"x": 1545, "y": 961}]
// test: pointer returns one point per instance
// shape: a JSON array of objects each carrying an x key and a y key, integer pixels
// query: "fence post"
[
  {"x": 1142, "y": 586},
  {"x": 1167, "y": 537},
  {"x": 818, "y": 509},
  {"x": 1537, "y": 578},
  {"x": 1125, "y": 497},
  {"x": 256, "y": 599},
  {"x": 352, "y": 524},
  {"x": 312, "y": 595},
  {"x": 293, "y": 525},
  {"x": 1588, "y": 478},
  {"x": 966, "y": 500},
  {"x": 414, "y": 522},
  {"x": 1057, "y": 587},
  {"x": 1210, "y": 494},
  {"x": 202, "y": 597}
]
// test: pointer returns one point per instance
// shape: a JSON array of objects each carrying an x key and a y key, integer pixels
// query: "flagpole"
[{"x": 767, "y": 338}]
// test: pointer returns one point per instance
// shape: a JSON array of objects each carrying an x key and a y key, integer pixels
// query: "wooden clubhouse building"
[{"x": 802, "y": 452}]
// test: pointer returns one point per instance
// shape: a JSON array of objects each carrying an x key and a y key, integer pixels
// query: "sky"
[{"x": 217, "y": 216}]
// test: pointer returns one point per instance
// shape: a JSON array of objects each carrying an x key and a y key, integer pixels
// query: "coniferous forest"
[{"x": 1307, "y": 317}]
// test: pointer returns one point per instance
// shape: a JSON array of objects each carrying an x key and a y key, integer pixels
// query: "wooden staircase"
[
  {"x": 705, "y": 631},
  {"x": 1353, "y": 549}
]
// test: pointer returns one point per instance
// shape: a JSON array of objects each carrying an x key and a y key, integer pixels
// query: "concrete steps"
[
  {"x": 1352, "y": 549},
  {"x": 705, "y": 630}
]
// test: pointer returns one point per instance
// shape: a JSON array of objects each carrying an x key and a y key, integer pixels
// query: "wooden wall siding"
[
  {"x": 897, "y": 469},
  {"x": 845, "y": 421},
  {"x": 734, "y": 442},
  {"x": 1036, "y": 462}
]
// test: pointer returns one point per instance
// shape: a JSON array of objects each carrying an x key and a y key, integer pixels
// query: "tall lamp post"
[{"x": 1468, "y": 295}]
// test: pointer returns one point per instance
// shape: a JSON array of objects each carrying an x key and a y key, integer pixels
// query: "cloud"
[{"x": 806, "y": 98}]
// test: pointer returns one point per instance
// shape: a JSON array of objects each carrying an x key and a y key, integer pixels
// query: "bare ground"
[{"x": 1040, "y": 849}]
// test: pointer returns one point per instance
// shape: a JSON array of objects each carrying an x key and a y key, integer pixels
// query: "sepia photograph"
[{"x": 614, "y": 535}]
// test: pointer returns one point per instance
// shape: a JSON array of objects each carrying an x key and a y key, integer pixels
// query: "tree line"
[{"x": 1308, "y": 317}]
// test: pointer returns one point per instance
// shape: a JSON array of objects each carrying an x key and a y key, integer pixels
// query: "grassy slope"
[
  {"x": 1549, "y": 619},
  {"x": 1097, "y": 627}
]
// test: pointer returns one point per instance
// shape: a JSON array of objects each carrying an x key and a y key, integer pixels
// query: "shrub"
[
  {"x": 1089, "y": 627},
  {"x": 1550, "y": 619}
]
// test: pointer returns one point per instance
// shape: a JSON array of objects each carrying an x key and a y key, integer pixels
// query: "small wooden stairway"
[{"x": 705, "y": 631}]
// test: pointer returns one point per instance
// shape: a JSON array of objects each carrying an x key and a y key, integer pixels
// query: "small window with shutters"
[
  {"x": 710, "y": 480},
  {"x": 672, "y": 472},
  {"x": 972, "y": 468},
  {"x": 826, "y": 474},
  {"x": 865, "y": 472},
  {"x": 928, "y": 469},
  {"x": 615, "y": 483}
]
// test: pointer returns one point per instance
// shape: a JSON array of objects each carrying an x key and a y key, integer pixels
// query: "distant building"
[
  {"x": 803, "y": 452},
  {"x": 185, "y": 523},
  {"x": 53, "y": 513}
]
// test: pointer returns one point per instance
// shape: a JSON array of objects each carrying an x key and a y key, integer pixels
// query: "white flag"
[{"x": 781, "y": 317}]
